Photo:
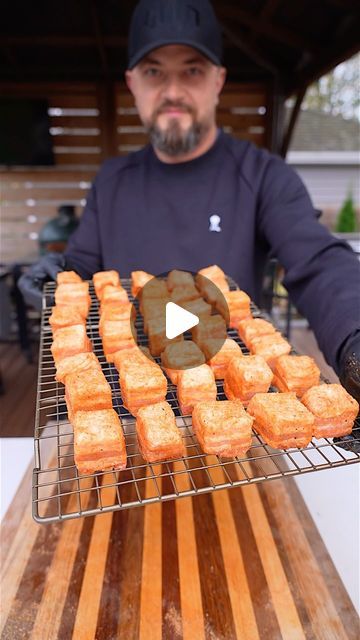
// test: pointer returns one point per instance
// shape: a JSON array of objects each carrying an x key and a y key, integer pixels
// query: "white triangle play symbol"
[{"x": 178, "y": 320}]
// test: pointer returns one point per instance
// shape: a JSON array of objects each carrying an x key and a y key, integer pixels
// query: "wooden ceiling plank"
[
  {"x": 344, "y": 4},
  {"x": 269, "y": 9},
  {"x": 60, "y": 41},
  {"x": 315, "y": 60},
  {"x": 272, "y": 31},
  {"x": 51, "y": 87},
  {"x": 11, "y": 58},
  {"x": 250, "y": 49},
  {"x": 343, "y": 49},
  {"x": 266, "y": 13},
  {"x": 74, "y": 73}
]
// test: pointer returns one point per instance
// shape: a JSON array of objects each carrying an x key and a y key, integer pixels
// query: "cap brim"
[{"x": 163, "y": 43}]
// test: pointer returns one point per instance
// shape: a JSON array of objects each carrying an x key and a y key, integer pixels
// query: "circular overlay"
[{"x": 181, "y": 319}]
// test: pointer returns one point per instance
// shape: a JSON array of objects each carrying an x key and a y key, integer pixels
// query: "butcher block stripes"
[
  {"x": 244, "y": 564},
  {"x": 151, "y": 574}
]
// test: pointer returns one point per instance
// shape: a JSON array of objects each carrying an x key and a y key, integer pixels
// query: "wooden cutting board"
[{"x": 235, "y": 564}]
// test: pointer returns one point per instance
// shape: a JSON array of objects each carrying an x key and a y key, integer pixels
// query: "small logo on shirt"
[{"x": 214, "y": 225}]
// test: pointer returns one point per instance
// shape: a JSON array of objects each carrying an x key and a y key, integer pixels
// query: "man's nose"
[{"x": 173, "y": 89}]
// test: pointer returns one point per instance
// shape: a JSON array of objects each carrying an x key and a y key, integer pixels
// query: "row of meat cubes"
[{"x": 224, "y": 427}]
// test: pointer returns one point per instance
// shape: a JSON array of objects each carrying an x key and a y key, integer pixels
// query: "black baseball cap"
[{"x": 157, "y": 23}]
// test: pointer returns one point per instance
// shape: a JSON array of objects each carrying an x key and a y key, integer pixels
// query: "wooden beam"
[
  {"x": 266, "y": 13},
  {"x": 269, "y": 9},
  {"x": 294, "y": 116},
  {"x": 272, "y": 31},
  {"x": 11, "y": 58},
  {"x": 341, "y": 50},
  {"x": 50, "y": 73},
  {"x": 61, "y": 41},
  {"x": 31, "y": 89},
  {"x": 243, "y": 43},
  {"x": 99, "y": 39},
  {"x": 344, "y": 4}
]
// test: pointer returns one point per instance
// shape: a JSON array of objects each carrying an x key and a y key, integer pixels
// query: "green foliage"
[
  {"x": 346, "y": 220},
  {"x": 337, "y": 92}
]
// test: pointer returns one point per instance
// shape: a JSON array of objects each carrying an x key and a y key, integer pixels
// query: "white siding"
[{"x": 329, "y": 185}]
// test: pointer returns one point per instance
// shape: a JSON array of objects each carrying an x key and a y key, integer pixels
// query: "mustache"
[{"x": 168, "y": 104}]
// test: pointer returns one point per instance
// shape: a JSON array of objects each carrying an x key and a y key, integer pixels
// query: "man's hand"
[
  {"x": 31, "y": 283},
  {"x": 350, "y": 379}
]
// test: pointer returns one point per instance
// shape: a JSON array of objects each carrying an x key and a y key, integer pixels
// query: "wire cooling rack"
[{"x": 60, "y": 493}]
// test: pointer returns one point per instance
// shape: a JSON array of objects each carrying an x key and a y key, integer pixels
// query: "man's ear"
[
  {"x": 221, "y": 77},
  {"x": 128, "y": 80}
]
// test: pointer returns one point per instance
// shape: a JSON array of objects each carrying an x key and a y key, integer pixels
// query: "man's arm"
[{"x": 322, "y": 274}]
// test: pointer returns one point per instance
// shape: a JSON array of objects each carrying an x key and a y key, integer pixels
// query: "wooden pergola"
[
  {"x": 285, "y": 44},
  {"x": 74, "y": 55}
]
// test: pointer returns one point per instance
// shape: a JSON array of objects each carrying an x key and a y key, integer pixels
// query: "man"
[{"x": 195, "y": 196}]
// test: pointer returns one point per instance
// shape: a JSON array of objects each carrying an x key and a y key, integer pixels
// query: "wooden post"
[
  {"x": 276, "y": 112},
  {"x": 107, "y": 107},
  {"x": 294, "y": 115}
]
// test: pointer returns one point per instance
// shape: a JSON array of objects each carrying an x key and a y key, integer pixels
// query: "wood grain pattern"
[
  {"x": 275, "y": 576},
  {"x": 89, "y": 601},
  {"x": 16, "y": 548},
  {"x": 69, "y": 611},
  {"x": 243, "y": 612},
  {"x": 40, "y": 545},
  {"x": 325, "y": 621},
  {"x": 261, "y": 596},
  {"x": 48, "y": 616},
  {"x": 171, "y": 610},
  {"x": 120, "y": 597},
  {"x": 151, "y": 587},
  {"x": 238, "y": 564},
  {"x": 190, "y": 589}
]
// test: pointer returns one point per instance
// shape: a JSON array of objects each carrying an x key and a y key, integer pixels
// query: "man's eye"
[
  {"x": 194, "y": 71},
  {"x": 152, "y": 72}
]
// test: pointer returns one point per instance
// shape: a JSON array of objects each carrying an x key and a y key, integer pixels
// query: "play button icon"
[
  {"x": 178, "y": 320},
  {"x": 170, "y": 306}
]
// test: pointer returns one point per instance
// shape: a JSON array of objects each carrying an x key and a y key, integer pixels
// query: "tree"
[
  {"x": 338, "y": 91},
  {"x": 346, "y": 220}
]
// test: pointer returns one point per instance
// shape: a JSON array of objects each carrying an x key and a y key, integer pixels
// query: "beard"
[{"x": 174, "y": 140}]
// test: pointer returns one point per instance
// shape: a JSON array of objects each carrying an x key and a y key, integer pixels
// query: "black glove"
[
  {"x": 350, "y": 379},
  {"x": 31, "y": 283}
]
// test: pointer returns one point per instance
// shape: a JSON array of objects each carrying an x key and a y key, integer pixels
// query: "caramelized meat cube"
[
  {"x": 334, "y": 409},
  {"x": 99, "y": 443},
  {"x": 246, "y": 376},
  {"x": 295, "y": 373},
  {"x": 219, "y": 354},
  {"x": 69, "y": 341},
  {"x": 223, "y": 428},
  {"x": 102, "y": 278},
  {"x": 281, "y": 420},
  {"x": 159, "y": 437},
  {"x": 195, "y": 385}
]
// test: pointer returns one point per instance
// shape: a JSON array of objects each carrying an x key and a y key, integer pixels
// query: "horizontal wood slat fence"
[{"x": 88, "y": 123}]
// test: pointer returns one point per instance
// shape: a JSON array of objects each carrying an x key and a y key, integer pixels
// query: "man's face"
[{"x": 176, "y": 91}]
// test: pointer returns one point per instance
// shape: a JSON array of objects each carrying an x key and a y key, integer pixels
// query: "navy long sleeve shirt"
[{"x": 234, "y": 206}]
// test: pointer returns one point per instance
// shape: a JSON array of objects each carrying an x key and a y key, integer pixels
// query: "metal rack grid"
[{"x": 60, "y": 493}]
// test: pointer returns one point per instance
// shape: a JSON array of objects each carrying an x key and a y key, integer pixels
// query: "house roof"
[{"x": 318, "y": 131}]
